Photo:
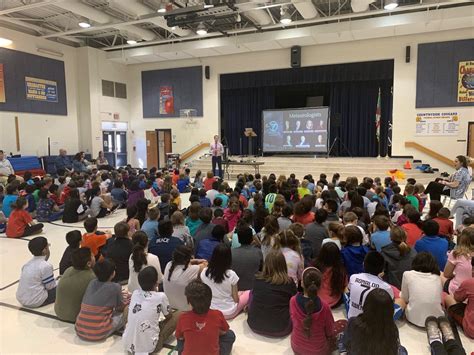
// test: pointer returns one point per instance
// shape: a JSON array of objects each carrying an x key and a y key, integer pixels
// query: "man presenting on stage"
[{"x": 217, "y": 149}]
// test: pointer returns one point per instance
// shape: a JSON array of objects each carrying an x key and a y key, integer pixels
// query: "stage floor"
[{"x": 303, "y": 165}]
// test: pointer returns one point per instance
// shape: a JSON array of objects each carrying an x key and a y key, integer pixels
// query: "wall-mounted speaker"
[
  {"x": 407, "y": 54},
  {"x": 207, "y": 72},
  {"x": 295, "y": 56}
]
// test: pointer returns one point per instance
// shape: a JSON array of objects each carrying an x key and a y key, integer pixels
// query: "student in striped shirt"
[
  {"x": 102, "y": 305},
  {"x": 37, "y": 286}
]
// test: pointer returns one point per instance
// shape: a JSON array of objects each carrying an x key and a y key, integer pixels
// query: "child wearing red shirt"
[
  {"x": 202, "y": 331},
  {"x": 446, "y": 227},
  {"x": 314, "y": 329},
  {"x": 20, "y": 224}
]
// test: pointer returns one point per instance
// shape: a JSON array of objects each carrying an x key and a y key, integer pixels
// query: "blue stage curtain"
[
  {"x": 356, "y": 102},
  {"x": 376, "y": 70},
  {"x": 240, "y": 109}
]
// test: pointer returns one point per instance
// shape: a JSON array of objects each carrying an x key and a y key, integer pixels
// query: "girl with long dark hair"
[
  {"x": 140, "y": 259},
  {"x": 179, "y": 272},
  {"x": 314, "y": 328},
  {"x": 374, "y": 331},
  {"x": 223, "y": 283},
  {"x": 334, "y": 276}
]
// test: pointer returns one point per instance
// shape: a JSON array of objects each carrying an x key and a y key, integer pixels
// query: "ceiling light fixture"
[
  {"x": 285, "y": 18},
  {"x": 390, "y": 4},
  {"x": 4, "y": 42},
  {"x": 201, "y": 30},
  {"x": 162, "y": 8},
  {"x": 84, "y": 24},
  {"x": 131, "y": 42}
]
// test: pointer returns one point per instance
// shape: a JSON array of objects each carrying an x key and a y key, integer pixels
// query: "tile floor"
[{"x": 26, "y": 333}]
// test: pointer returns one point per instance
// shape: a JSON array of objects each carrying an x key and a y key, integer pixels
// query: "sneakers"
[{"x": 446, "y": 329}]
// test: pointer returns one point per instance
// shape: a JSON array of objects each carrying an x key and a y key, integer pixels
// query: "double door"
[{"x": 114, "y": 145}]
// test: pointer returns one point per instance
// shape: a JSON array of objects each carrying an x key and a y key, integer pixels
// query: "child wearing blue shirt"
[
  {"x": 10, "y": 197},
  {"x": 203, "y": 200},
  {"x": 432, "y": 243},
  {"x": 150, "y": 226},
  {"x": 354, "y": 252},
  {"x": 381, "y": 235}
]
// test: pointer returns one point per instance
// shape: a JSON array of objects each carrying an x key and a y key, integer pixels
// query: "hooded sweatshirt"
[{"x": 396, "y": 264}]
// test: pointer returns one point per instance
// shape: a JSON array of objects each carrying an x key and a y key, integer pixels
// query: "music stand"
[{"x": 250, "y": 134}]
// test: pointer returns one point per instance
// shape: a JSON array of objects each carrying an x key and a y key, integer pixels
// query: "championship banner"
[
  {"x": 41, "y": 90},
  {"x": 2, "y": 85},
  {"x": 166, "y": 100},
  {"x": 466, "y": 81},
  {"x": 437, "y": 124}
]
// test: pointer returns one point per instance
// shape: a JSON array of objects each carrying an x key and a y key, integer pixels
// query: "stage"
[{"x": 303, "y": 165}]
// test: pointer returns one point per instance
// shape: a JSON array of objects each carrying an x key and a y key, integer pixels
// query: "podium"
[{"x": 250, "y": 134}]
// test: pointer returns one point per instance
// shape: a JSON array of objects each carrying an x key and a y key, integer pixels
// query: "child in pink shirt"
[{"x": 314, "y": 328}]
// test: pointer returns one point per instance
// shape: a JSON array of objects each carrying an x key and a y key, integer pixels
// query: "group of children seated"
[{"x": 284, "y": 252}]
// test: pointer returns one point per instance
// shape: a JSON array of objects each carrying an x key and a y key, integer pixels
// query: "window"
[
  {"x": 120, "y": 90},
  {"x": 113, "y": 89}
]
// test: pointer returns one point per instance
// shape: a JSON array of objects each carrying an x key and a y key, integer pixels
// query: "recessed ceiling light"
[
  {"x": 201, "y": 30},
  {"x": 131, "y": 42},
  {"x": 5, "y": 42},
  {"x": 84, "y": 24},
  {"x": 390, "y": 4}
]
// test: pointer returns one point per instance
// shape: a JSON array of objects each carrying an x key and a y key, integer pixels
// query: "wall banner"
[
  {"x": 41, "y": 90},
  {"x": 437, "y": 124},
  {"x": 3, "y": 98},
  {"x": 466, "y": 81},
  {"x": 166, "y": 100}
]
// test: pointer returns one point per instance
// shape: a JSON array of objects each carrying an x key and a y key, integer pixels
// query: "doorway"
[
  {"x": 470, "y": 140},
  {"x": 158, "y": 144},
  {"x": 114, "y": 145}
]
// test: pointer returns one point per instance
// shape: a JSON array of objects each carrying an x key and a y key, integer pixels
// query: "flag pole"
[{"x": 378, "y": 114}]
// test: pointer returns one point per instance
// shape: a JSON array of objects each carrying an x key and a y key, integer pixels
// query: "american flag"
[{"x": 378, "y": 114}]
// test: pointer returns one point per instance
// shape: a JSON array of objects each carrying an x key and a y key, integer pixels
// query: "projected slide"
[{"x": 296, "y": 130}]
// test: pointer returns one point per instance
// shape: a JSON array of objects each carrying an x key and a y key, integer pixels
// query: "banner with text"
[
  {"x": 2, "y": 85},
  {"x": 466, "y": 81},
  {"x": 41, "y": 90},
  {"x": 437, "y": 124}
]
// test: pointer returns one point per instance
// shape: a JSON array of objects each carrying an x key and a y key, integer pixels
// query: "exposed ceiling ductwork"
[
  {"x": 361, "y": 5},
  {"x": 306, "y": 8},
  {"x": 259, "y": 17},
  {"x": 93, "y": 14}
]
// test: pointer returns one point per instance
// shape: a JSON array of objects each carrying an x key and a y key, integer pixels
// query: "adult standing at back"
[
  {"x": 216, "y": 150},
  {"x": 62, "y": 163}
]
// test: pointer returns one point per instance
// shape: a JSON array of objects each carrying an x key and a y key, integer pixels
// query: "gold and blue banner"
[{"x": 41, "y": 89}]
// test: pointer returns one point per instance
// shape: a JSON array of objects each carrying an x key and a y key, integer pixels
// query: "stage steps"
[{"x": 359, "y": 167}]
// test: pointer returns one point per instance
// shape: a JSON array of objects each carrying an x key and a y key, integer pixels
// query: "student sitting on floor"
[
  {"x": 47, "y": 210},
  {"x": 354, "y": 252},
  {"x": 446, "y": 226},
  {"x": 164, "y": 244},
  {"x": 381, "y": 235},
  {"x": 433, "y": 243},
  {"x": 73, "y": 285},
  {"x": 144, "y": 333},
  {"x": 219, "y": 276},
  {"x": 94, "y": 239},
  {"x": 119, "y": 249},
  {"x": 461, "y": 306},
  {"x": 150, "y": 226},
  {"x": 98, "y": 206},
  {"x": 73, "y": 239},
  {"x": 75, "y": 210},
  {"x": 205, "y": 247},
  {"x": 360, "y": 284},
  {"x": 37, "y": 286},
  {"x": 140, "y": 259},
  {"x": 314, "y": 329},
  {"x": 102, "y": 305},
  {"x": 334, "y": 277},
  {"x": 374, "y": 330},
  {"x": 20, "y": 224},
  {"x": 202, "y": 331},
  {"x": 269, "y": 311},
  {"x": 10, "y": 197},
  {"x": 422, "y": 289}
]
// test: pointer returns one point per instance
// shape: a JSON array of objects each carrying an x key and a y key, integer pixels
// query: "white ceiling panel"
[
  {"x": 301, "y": 41},
  {"x": 175, "y": 55},
  {"x": 202, "y": 52},
  {"x": 238, "y": 48},
  {"x": 150, "y": 58},
  {"x": 262, "y": 46}
]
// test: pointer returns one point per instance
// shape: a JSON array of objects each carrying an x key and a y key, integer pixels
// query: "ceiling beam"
[{"x": 34, "y": 5}]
